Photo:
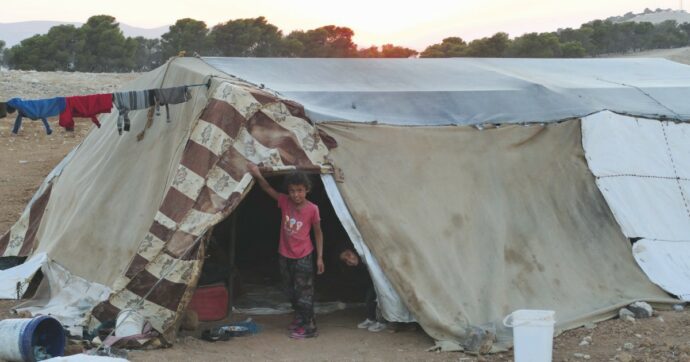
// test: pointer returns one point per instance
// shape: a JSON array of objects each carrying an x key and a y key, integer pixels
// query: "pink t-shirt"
[{"x": 295, "y": 225}]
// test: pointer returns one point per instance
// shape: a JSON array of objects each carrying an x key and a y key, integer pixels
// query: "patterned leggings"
[{"x": 298, "y": 282}]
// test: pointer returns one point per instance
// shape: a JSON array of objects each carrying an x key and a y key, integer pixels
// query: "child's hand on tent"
[{"x": 253, "y": 169}]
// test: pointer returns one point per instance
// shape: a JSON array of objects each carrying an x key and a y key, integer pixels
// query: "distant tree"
[
  {"x": 394, "y": 51},
  {"x": 2, "y": 52},
  {"x": 186, "y": 34},
  {"x": 685, "y": 27},
  {"x": 247, "y": 38},
  {"x": 667, "y": 34},
  {"x": 535, "y": 45},
  {"x": 105, "y": 47},
  {"x": 148, "y": 53},
  {"x": 583, "y": 36},
  {"x": 494, "y": 46},
  {"x": 56, "y": 50},
  {"x": 370, "y": 52},
  {"x": 291, "y": 48},
  {"x": 387, "y": 51},
  {"x": 448, "y": 48},
  {"x": 573, "y": 49},
  {"x": 325, "y": 42}
]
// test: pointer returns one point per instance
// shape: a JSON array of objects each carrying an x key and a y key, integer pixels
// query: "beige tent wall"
[
  {"x": 471, "y": 225},
  {"x": 100, "y": 177}
]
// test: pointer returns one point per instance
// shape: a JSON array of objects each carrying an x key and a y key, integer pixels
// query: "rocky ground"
[{"x": 29, "y": 156}]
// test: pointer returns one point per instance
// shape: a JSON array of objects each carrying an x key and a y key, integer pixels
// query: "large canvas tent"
[{"x": 463, "y": 183}]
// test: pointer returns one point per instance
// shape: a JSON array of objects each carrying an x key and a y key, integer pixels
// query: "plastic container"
[
  {"x": 129, "y": 323},
  {"x": 19, "y": 337},
  {"x": 532, "y": 334},
  {"x": 210, "y": 302}
]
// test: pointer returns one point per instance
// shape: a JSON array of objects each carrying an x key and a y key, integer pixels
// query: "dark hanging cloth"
[
  {"x": 85, "y": 106},
  {"x": 36, "y": 109},
  {"x": 166, "y": 96},
  {"x": 3, "y": 109},
  {"x": 129, "y": 101}
]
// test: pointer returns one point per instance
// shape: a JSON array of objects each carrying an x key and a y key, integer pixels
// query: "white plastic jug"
[
  {"x": 532, "y": 334},
  {"x": 129, "y": 322}
]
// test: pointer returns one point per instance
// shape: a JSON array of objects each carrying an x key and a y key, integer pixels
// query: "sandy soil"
[
  {"x": 680, "y": 55},
  {"x": 29, "y": 157}
]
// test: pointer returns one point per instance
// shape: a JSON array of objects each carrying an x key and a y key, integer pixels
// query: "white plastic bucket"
[
  {"x": 129, "y": 322},
  {"x": 19, "y": 337},
  {"x": 532, "y": 334}
]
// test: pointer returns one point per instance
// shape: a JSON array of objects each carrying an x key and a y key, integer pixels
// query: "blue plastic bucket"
[{"x": 18, "y": 337}]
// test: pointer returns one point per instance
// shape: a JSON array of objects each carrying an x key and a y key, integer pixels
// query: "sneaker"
[
  {"x": 377, "y": 327},
  {"x": 296, "y": 323},
  {"x": 302, "y": 333},
  {"x": 366, "y": 324}
]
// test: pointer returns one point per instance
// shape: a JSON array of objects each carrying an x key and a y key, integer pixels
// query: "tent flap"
[{"x": 471, "y": 225}]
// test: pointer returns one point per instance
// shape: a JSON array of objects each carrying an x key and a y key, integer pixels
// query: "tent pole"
[{"x": 231, "y": 257}]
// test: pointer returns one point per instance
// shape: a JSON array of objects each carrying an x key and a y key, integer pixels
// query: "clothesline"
[{"x": 92, "y": 105}]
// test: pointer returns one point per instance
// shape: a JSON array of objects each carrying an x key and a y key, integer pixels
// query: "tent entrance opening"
[{"x": 243, "y": 252}]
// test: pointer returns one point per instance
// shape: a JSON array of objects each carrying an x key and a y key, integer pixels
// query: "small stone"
[
  {"x": 624, "y": 357},
  {"x": 586, "y": 356},
  {"x": 628, "y": 346},
  {"x": 588, "y": 339},
  {"x": 579, "y": 355},
  {"x": 678, "y": 307},
  {"x": 646, "y": 342},
  {"x": 625, "y": 312},
  {"x": 684, "y": 348},
  {"x": 641, "y": 309},
  {"x": 21, "y": 162},
  {"x": 584, "y": 343},
  {"x": 590, "y": 325},
  {"x": 638, "y": 335},
  {"x": 661, "y": 319}
]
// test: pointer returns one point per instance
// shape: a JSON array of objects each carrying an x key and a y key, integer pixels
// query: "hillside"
[{"x": 680, "y": 16}]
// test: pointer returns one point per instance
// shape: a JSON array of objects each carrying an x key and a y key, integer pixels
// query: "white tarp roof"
[{"x": 470, "y": 91}]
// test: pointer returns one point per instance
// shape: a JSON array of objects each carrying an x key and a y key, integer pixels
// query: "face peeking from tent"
[{"x": 349, "y": 257}]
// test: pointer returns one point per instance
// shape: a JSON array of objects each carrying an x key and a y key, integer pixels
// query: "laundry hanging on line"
[
  {"x": 166, "y": 96},
  {"x": 129, "y": 101},
  {"x": 89, "y": 106},
  {"x": 34, "y": 110}
]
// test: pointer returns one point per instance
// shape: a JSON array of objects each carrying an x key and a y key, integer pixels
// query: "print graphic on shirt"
[{"x": 291, "y": 225}]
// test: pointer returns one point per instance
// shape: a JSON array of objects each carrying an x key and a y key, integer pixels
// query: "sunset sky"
[{"x": 375, "y": 22}]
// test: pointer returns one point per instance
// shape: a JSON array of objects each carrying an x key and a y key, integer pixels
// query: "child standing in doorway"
[{"x": 296, "y": 259}]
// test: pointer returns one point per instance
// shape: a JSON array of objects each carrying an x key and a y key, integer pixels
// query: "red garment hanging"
[{"x": 85, "y": 106}]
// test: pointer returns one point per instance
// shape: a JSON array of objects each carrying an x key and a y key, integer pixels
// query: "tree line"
[
  {"x": 100, "y": 46},
  {"x": 592, "y": 39}
]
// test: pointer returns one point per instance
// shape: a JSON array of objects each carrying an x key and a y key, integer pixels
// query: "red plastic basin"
[{"x": 210, "y": 302}]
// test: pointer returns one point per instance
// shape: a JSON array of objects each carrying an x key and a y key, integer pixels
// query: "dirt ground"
[{"x": 28, "y": 157}]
